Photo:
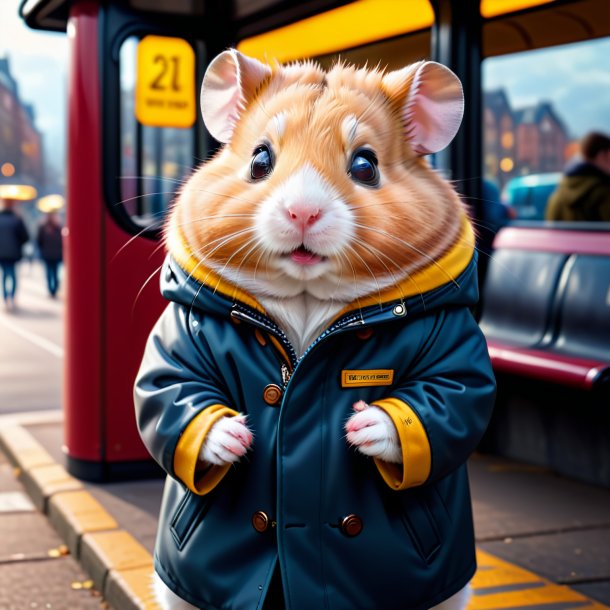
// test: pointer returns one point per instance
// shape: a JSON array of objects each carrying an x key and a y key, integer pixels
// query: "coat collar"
[{"x": 187, "y": 281}]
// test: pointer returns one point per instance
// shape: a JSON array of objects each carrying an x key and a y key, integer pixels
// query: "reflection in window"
[
  {"x": 154, "y": 160},
  {"x": 538, "y": 105}
]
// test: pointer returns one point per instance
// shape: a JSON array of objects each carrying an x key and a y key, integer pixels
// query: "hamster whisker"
[
  {"x": 203, "y": 282},
  {"x": 408, "y": 277},
  {"x": 190, "y": 221},
  {"x": 142, "y": 197},
  {"x": 343, "y": 255},
  {"x": 163, "y": 178},
  {"x": 254, "y": 240},
  {"x": 411, "y": 247},
  {"x": 150, "y": 277},
  {"x": 225, "y": 239},
  {"x": 373, "y": 250},
  {"x": 258, "y": 260},
  {"x": 130, "y": 241},
  {"x": 160, "y": 246},
  {"x": 353, "y": 250}
]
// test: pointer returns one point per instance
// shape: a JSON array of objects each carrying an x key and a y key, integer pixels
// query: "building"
[
  {"x": 541, "y": 140},
  {"x": 530, "y": 140},
  {"x": 499, "y": 133},
  {"x": 21, "y": 153}
]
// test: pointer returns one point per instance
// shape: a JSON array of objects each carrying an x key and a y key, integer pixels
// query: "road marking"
[
  {"x": 15, "y": 501},
  {"x": 41, "y": 342},
  {"x": 31, "y": 418},
  {"x": 500, "y": 585}
]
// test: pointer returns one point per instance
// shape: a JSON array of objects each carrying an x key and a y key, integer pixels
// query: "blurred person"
[
  {"x": 51, "y": 252},
  {"x": 583, "y": 193},
  {"x": 13, "y": 236}
]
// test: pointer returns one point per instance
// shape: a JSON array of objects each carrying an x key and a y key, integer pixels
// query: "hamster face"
[{"x": 318, "y": 190}]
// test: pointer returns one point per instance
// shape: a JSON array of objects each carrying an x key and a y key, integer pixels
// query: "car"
[{"x": 528, "y": 195}]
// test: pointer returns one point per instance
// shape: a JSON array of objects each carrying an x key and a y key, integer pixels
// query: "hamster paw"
[
  {"x": 372, "y": 432},
  {"x": 227, "y": 441}
]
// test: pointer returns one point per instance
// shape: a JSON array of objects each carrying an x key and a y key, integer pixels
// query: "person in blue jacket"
[
  {"x": 311, "y": 517},
  {"x": 13, "y": 235}
]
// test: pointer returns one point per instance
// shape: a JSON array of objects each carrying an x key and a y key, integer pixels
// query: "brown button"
[
  {"x": 364, "y": 333},
  {"x": 260, "y": 521},
  {"x": 272, "y": 394},
  {"x": 351, "y": 525}
]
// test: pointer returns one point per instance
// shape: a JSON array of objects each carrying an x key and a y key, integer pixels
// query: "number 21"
[{"x": 165, "y": 68}]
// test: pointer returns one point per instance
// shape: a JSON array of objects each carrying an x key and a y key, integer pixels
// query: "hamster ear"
[
  {"x": 230, "y": 80},
  {"x": 434, "y": 104}
]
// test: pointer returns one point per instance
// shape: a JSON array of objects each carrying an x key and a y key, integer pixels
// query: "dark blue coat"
[
  {"x": 423, "y": 359},
  {"x": 13, "y": 235}
]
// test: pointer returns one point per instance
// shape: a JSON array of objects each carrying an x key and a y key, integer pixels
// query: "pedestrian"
[
  {"x": 13, "y": 235},
  {"x": 49, "y": 242},
  {"x": 583, "y": 193}
]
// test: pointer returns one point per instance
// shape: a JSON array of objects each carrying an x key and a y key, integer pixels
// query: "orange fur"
[{"x": 405, "y": 224}]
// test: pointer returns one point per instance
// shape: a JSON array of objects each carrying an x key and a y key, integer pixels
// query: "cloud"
[{"x": 575, "y": 78}]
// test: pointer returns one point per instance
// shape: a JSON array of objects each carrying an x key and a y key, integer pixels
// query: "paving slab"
[
  {"x": 512, "y": 499},
  {"x": 566, "y": 558},
  {"x": 60, "y": 584},
  {"x": 26, "y": 536}
]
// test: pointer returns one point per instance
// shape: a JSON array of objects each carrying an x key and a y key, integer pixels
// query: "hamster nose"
[{"x": 304, "y": 214}]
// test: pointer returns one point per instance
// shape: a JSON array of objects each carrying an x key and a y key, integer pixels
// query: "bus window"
[
  {"x": 538, "y": 105},
  {"x": 154, "y": 160},
  {"x": 391, "y": 54}
]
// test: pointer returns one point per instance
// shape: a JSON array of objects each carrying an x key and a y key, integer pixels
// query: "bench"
[
  {"x": 546, "y": 317},
  {"x": 546, "y": 305}
]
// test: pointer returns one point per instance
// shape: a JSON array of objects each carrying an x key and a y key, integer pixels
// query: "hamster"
[
  {"x": 320, "y": 197},
  {"x": 320, "y": 202}
]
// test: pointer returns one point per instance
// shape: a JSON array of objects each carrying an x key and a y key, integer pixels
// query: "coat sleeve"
[
  {"x": 442, "y": 407},
  {"x": 178, "y": 397}
]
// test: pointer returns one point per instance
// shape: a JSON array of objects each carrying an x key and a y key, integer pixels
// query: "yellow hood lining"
[{"x": 444, "y": 271}]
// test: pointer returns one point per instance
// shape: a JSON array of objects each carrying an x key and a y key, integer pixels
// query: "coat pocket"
[
  {"x": 422, "y": 527},
  {"x": 191, "y": 510}
]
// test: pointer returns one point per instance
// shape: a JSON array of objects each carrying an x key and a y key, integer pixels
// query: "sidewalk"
[{"x": 543, "y": 541}]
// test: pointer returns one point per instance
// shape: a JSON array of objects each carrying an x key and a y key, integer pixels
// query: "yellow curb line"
[
  {"x": 22, "y": 449},
  {"x": 115, "y": 560},
  {"x": 119, "y": 565},
  {"x": 42, "y": 482}
]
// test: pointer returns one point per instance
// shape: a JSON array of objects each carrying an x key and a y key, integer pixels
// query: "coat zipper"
[{"x": 260, "y": 321}]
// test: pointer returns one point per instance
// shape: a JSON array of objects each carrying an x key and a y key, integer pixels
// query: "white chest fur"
[{"x": 302, "y": 317}]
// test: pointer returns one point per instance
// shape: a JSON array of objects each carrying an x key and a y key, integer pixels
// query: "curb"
[{"x": 118, "y": 564}]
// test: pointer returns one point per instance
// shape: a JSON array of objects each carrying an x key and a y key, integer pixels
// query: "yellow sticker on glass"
[{"x": 165, "y": 83}]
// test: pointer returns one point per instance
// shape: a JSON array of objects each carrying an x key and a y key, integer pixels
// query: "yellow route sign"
[{"x": 165, "y": 82}]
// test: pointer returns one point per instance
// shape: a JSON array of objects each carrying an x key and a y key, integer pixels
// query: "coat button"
[
  {"x": 272, "y": 394},
  {"x": 260, "y": 521},
  {"x": 351, "y": 525}
]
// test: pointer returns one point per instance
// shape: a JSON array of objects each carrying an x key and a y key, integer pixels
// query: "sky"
[
  {"x": 39, "y": 64},
  {"x": 575, "y": 78}
]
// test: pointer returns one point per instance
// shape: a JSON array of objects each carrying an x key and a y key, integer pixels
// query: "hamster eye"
[
  {"x": 262, "y": 162},
  {"x": 363, "y": 168}
]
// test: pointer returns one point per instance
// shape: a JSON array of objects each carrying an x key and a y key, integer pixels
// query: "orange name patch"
[{"x": 351, "y": 379}]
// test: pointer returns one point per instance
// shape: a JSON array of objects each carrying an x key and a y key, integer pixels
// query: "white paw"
[
  {"x": 227, "y": 441},
  {"x": 373, "y": 433}
]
